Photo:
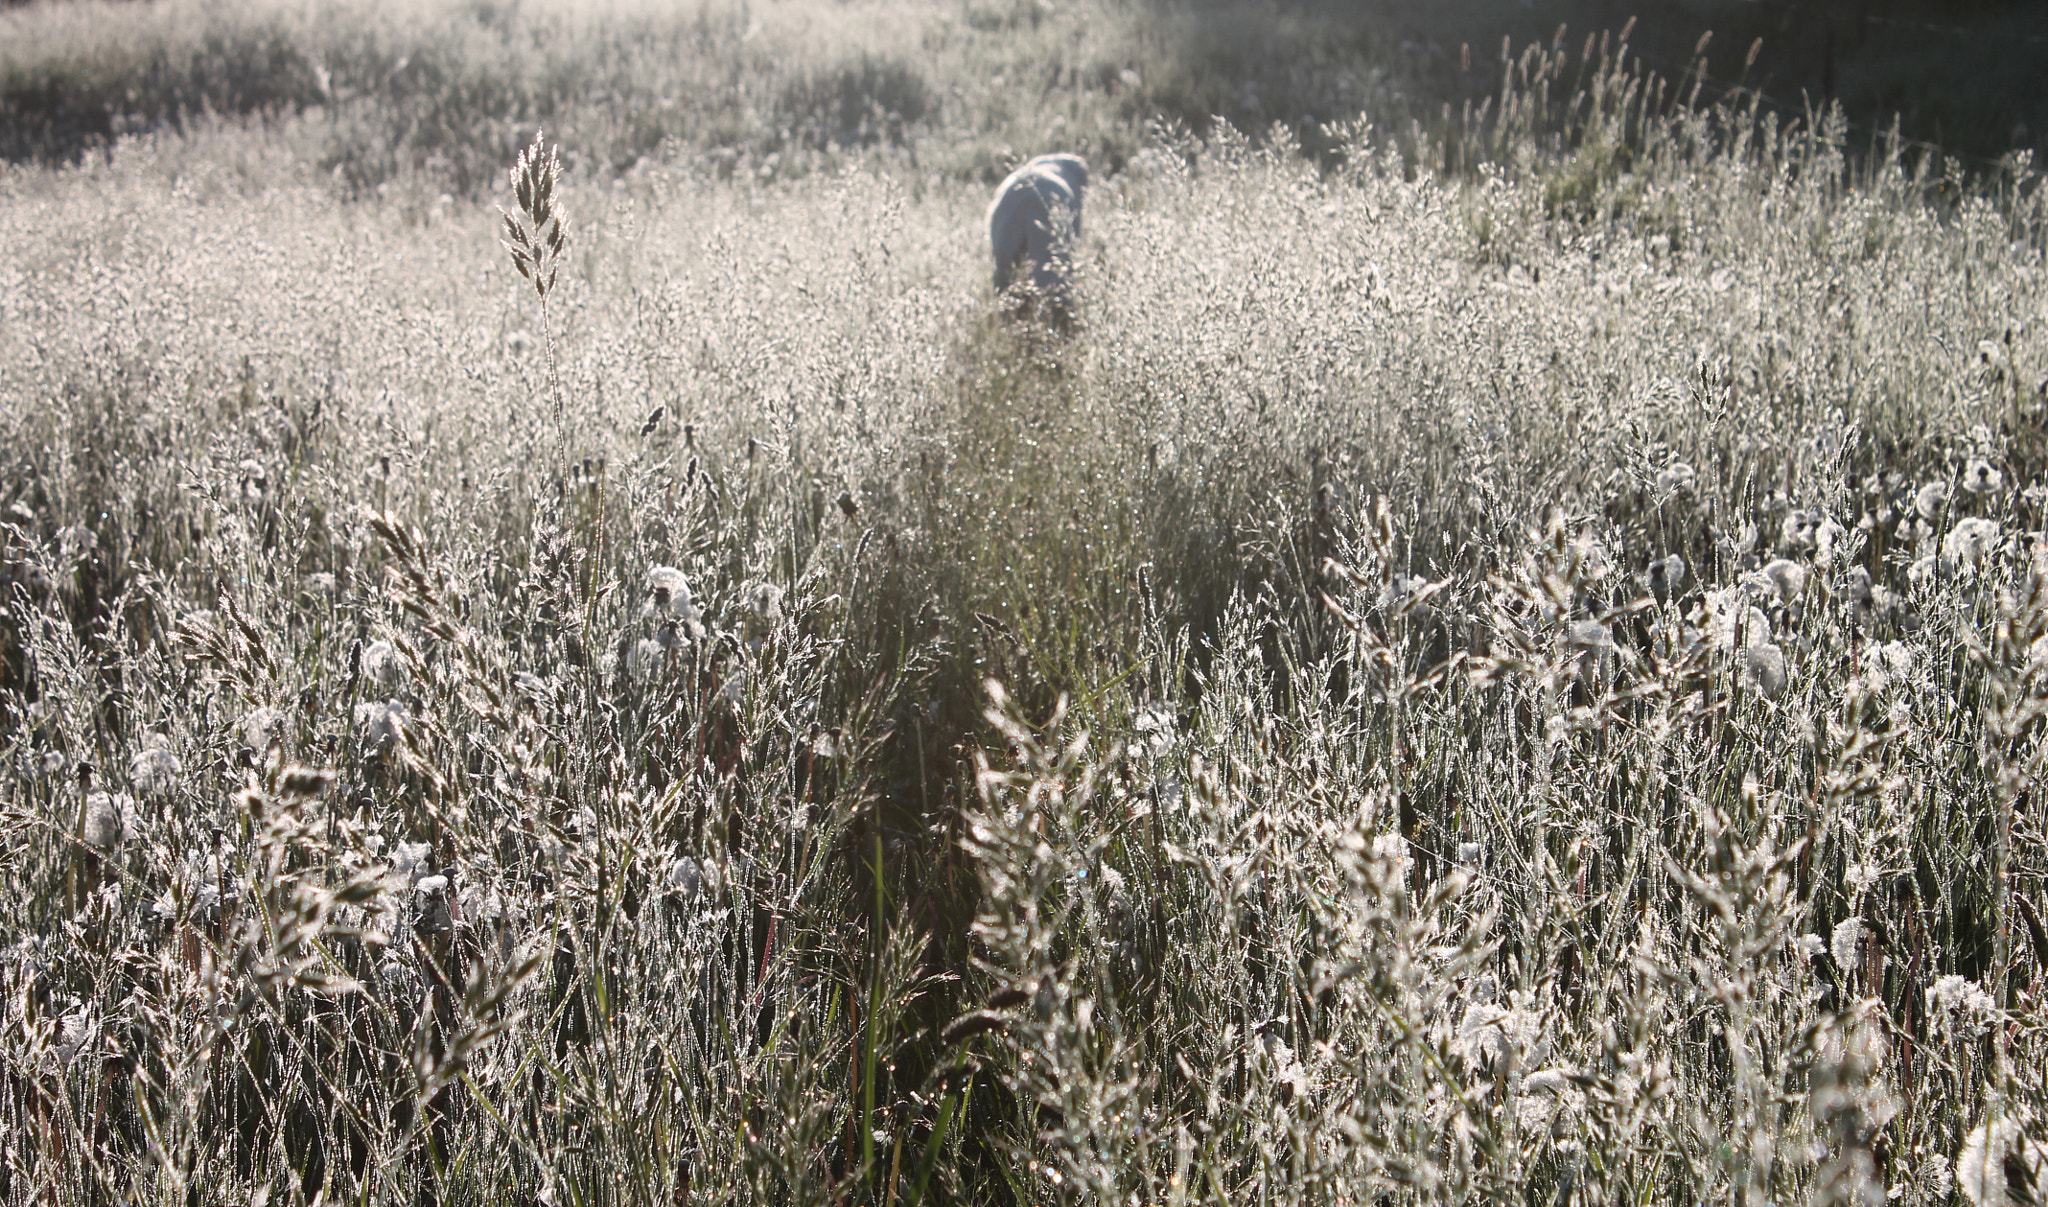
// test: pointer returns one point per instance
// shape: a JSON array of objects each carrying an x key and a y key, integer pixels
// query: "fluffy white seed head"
[
  {"x": 1800, "y": 532},
  {"x": 1980, "y": 477},
  {"x": 109, "y": 820},
  {"x": 262, "y": 728},
  {"x": 645, "y": 657},
  {"x": 1732, "y": 622},
  {"x": 1784, "y": 578},
  {"x": 1763, "y": 669},
  {"x": 382, "y": 665},
  {"x": 763, "y": 601},
  {"x": 1676, "y": 480},
  {"x": 668, "y": 595},
  {"x": 1930, "y": 499},
  {"x": 1665, "y": 577},
  {"x": 1970, "y": 542},
  {"x": 154, "y": 768},
  {"x": 1960, "y": 1004},
  {"x": 381, "y": 724}
]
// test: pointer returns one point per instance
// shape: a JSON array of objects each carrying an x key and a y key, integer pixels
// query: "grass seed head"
[
  {"x": 536, "y": 243},
  {"x": 2001, "y": 1163}
]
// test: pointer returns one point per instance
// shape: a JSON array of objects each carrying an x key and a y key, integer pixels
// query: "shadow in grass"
[{"x": 1960, "y": 76}]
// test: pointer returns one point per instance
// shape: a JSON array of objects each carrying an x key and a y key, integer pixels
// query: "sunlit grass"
[{"x": 1515, "y": 684}]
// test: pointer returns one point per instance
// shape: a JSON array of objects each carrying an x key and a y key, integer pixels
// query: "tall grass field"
[{"x": 557, "y": 648}]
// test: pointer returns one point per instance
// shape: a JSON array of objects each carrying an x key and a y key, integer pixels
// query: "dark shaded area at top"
[
  {"x": 1967, "y": 76},
  {"x": 1963, "y": 76}
]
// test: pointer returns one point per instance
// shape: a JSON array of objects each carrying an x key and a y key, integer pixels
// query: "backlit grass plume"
[
  {"x": 536, "y": 237},
  {"x": 537, "y": 243}
]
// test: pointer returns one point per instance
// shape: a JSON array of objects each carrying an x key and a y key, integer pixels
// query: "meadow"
[{"x": 1504, "y": 660}]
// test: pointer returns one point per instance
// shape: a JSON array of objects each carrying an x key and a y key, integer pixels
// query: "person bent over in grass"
[{"x": 1033, "y": 224}]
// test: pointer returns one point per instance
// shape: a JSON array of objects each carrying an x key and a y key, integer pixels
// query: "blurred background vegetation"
[{"x": 373, "y": 92}]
